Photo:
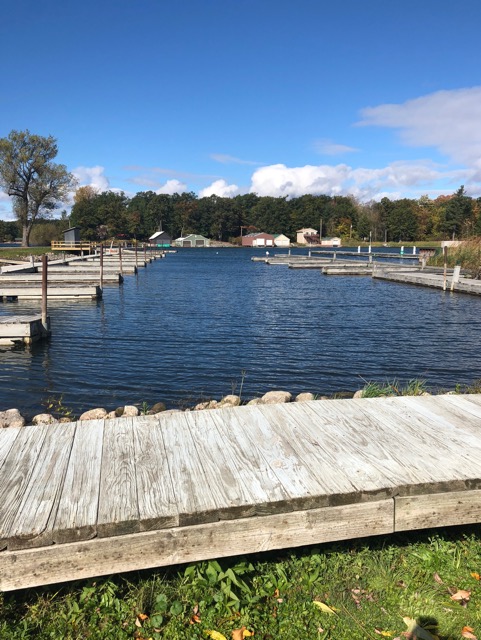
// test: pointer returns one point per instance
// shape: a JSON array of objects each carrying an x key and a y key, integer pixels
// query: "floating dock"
[
  {"x": 80, "y": 292},
  {"x": 22, "y": 329},
  {"x": 85, "y": 499}
]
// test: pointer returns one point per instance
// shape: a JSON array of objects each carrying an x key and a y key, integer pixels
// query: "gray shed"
[{"x": 72, "y": 235}]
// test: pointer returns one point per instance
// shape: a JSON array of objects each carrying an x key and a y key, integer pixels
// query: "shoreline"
[{"x": 13, "y": 417}]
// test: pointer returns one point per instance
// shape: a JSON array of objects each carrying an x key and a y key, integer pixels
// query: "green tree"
[
  {"x": 29, "y": 176},
  {"x": 458, "y": 214}
]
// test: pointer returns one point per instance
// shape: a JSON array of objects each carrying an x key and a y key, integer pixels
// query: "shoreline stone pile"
[{"x": 13, "y": 417}]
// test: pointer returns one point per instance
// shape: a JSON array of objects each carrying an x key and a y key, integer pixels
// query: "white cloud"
[
  {"x": 330, "y": 148},
  {"x": 449, "y": 121},
  {"x": 171, "y": 187},
  {"x": 227, "y": 159},
  {"x": 363, "y": 183},
  {"x": 92, "y": 176},
  {"x": 220, "y": 188}
]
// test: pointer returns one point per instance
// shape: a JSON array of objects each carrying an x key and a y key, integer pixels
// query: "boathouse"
[
  {"x": 160, "y": 239},
  {"x": 192, "y": 240},
  {"x": 258, "y": 239},
  {"x": 331, "y": 242},
  {"x": 280, "y": 240}
]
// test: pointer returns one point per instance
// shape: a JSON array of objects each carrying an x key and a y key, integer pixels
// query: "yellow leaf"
[
  {"x": 215, "y": 635},
  {"x": 475, "y": 575},
  {"x": 240, "y": 634},
  {"x": 142, "y": 616},
  {"x": 324, "y": 607},
  {"x": 467, "y": 633},
  {"x": 385, "y": 634}
]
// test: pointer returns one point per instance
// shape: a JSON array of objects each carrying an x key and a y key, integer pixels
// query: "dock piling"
[{"x": 44, "y": 292}]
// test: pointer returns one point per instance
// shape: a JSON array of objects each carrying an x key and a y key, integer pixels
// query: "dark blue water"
[{"x": 196, "y": 323}]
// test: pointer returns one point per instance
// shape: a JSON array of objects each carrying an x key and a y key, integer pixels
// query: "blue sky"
[{"x": 281, "y": 98}]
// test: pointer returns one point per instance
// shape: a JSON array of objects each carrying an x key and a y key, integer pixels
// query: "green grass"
[
  {"x": 414, "y": 387},
  {"x": 468, "y": 255},
  {"x": 370, "y": 586},
  {"x": 19, "y": 253}
]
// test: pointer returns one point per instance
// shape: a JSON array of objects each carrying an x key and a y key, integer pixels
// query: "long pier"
[{"x": 84, "y": 499}]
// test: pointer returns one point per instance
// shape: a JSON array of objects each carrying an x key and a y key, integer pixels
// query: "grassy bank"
[
  {"x": 354, "y": 590},
  {"x": 19, "y": 253},
  {"x": 467, "y": 255}
]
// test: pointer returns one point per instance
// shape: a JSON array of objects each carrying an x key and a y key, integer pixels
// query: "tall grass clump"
[{"x": 467, "y": 255}]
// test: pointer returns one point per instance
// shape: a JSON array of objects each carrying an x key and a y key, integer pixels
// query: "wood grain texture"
[
  {"x": 7, "y": 439},
  {"x": 198, "y": 500},
  {"x": 155, "y": 491},
  {"x": 15, "y": 475},
  {"x": 118, "y": 512},
  {"x": 37, "y": 510},
  {"x": 303, "y": 488},
  {"x": 187, "y": 544},
  {"x": 78, "y": 506},
  {"x": 437, "y": 510}
]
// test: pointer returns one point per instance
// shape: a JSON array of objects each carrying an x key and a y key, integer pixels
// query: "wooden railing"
[{"x": 71, "y": 246}]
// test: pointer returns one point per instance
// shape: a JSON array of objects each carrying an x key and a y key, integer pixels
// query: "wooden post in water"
[
  {"x": 145, "y": 253},
  {"x": 136, "y": 255},
  {"x": 445, "y": 254},
  {"x": 120, "y": 259},
  {"x": 44, "y": 293},
  {"x": 101, "y": 284}
]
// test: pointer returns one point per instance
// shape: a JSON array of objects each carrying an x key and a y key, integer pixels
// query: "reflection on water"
[{"x": 189, "y": 326}]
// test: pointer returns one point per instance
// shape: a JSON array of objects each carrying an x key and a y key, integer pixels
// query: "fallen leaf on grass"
[
  {"x": 461, "y": 596},
  {"x": 385, "y": 634},
  {"x": 475, "y": 575},
  {"x": 215, "y": 635},
  {"x": 324, "y": 607},
  {"x": 240, "y": 634},
  {"x": 467, "y": 632},
  {"x": 437, "y": 577}
]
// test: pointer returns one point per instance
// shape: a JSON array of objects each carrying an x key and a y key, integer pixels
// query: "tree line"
[
  {"x": 108, "y": 215},
  {"x": 37, "y": 186}
]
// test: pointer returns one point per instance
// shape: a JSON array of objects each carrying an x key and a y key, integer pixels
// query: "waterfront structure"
[
  {"x": 319, "y": 471},
  {"x": 280, "y": 240},
  {"x": 192, "y": 240},
  {"x": 258, "y": 239},
  {"x": 307, "y": 236},
  {"x": 161, "y": 239},
  {"x": 330, "y": 242}
]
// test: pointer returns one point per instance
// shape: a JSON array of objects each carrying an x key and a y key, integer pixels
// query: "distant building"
[
  {"x": 161, "y": 239},
  {"x": 192, "y": 240},
  {"x": 280, "y": 240},
  {"x": 259, "y": 239},
  {"x": 307, "y": 236},
  {"x": 72, "y": 235},
  {"x": 331, "y": 242}
]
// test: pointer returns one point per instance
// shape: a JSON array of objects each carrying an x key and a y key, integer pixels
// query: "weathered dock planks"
[
  {"x": 433, "y": 280},
  {"x": 89, "y": 498},
  {"x": 26, "y": 329}
]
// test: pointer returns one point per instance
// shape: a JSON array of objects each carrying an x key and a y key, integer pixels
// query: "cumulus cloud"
[
  {"x": 220, "y": 188},
  {"x": 171, "y": 187},
  {"x": 330, "y": 148},
  {"x": 449, "y": 121},
  {"x": 279, "y": 180},
  {"x": 224, "y": 158},
  {"x": 93, "y": 177}
]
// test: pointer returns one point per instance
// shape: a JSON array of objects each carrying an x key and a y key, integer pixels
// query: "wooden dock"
[
  {"x": 23, "y": 329},
  {"x": 75, "y": 292},
  {"x": 92, "y": 498},
  {"x": 429, "y": 279}
]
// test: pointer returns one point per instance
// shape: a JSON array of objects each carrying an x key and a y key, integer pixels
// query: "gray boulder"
[
  {"x": 305, "y": 397},
  {"x": 43, "y": 418},
  {"x": 11, "y": 418}
]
